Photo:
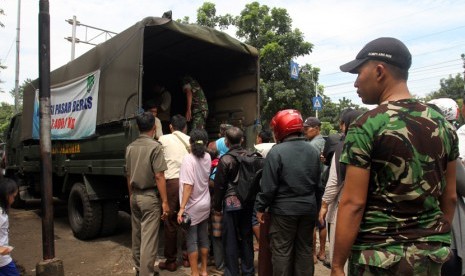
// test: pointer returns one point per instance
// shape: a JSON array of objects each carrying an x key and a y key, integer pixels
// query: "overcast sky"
[{"x": 434, "y": 31}]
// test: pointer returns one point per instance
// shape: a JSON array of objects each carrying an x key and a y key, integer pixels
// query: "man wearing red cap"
[{"x": 399, "y": 194}]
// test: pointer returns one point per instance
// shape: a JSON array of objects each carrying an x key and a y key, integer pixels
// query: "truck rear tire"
[
  {"x": 109, "y": 217},
  {"x": 85, "y": 216}
]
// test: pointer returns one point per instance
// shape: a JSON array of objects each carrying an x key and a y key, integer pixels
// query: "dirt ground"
[{"x": 103, "y": 256}]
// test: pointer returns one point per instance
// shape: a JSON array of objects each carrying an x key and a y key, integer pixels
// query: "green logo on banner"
[{"x": 90, "y": 83}]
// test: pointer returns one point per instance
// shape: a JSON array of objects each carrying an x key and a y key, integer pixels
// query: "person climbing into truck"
[{"x": 197, "y": 106}]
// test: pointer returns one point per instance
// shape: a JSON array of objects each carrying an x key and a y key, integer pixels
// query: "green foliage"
[
  {"x": 8, "y": 110},
  {"x": 206, "y": 16},
  {"x": 6, "y": 113},
  {"x": 452, "y": 87},
  {"x": 20, "y": 92},
  {"x": 270, "y": 31},
  {"x": 184, "y": 20},
  {"x": 331, "y": 111},
  {"x": 327, "y": 128}
]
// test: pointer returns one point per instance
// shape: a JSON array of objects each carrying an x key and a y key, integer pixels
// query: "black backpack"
[{"x": 247, "y": 181}]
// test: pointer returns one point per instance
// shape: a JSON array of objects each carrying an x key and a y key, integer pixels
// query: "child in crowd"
[{"x": 8, "y": 192}]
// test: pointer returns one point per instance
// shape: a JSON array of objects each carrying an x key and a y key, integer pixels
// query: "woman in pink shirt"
[{"x": 194, "y": 197}]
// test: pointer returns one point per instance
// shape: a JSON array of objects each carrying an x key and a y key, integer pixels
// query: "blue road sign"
[
  {"x": 317, "y": 103},
  {"x": 294, "y": 70}
]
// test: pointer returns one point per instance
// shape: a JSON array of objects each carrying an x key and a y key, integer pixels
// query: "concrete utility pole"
[
  {"x": 50, "y": 266},
  {"x": 17, "y": 59},
  {"x": 463, "y": 59},
  {"x": 316, "y": 92},
  {"x": 73, "y": 39}
]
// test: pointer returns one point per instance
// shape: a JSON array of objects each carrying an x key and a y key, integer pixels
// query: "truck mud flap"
[
  {"x": 105, "y": 187},
  {"x": 109, "y": 217}
]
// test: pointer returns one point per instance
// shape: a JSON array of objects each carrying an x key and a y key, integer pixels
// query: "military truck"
[{"x": 89, "y": 171}]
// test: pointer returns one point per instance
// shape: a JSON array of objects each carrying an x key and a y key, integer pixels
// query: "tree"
[
  {"x": 332, "y": 111},
  {"x": 21, "y": 92},
  {"x": 206, "y": 16},
  {"x": 270, "y": 31},
  {"x": 452, "y": 87},
  {"x": 6, "y": 113},
  {"x": 184, "y": 20},
  {"x": 288, "y": 93}
]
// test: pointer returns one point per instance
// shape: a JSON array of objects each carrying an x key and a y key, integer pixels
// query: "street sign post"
[
  {"x": 317, "y": 103},
  {"x": 294, "y": 70}
]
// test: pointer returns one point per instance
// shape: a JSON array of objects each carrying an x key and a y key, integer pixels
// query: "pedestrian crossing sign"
[
  {"x": 294, "y": 70},
  {"x": 317, "y": 103}
]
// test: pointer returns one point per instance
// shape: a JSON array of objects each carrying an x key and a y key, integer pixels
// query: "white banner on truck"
[{"x": 73, "y": 109}]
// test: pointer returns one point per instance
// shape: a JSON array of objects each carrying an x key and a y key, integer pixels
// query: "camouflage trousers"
[
  {"x": 198, "y": 119},
  {"x": 400, "y": 259}
]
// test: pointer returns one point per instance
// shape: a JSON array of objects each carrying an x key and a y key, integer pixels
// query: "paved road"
[{"x": 103, "y": 256}]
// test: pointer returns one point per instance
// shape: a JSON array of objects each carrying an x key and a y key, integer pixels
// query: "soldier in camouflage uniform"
[
  {"x": 197, "y": 106},
  {"x": 399, "y": 194}
]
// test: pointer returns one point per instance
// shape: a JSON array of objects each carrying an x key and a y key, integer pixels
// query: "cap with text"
[{"x": 386, "y": 49}]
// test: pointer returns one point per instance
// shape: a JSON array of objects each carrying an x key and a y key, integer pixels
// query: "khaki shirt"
[
  {"x": 144, "y": 158},
  {"x": 174, "y": 151}
]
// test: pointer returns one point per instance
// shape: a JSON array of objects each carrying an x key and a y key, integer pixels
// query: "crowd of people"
[{"x": 387, "y": 190}]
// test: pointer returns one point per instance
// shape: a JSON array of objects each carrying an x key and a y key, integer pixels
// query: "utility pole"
[
  {"x": 463, "y": 59},
  {"x": 50, "y": 266},
  {"x": 316, "y": 92},
  {"x": 73, "y": 39},
  {"x": 17, "y": 59}
]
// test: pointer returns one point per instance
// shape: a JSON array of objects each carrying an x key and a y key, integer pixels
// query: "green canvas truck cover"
[{"x": 122, "y": 59}]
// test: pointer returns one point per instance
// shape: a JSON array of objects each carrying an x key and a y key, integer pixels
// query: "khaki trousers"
[{"x": 145, "y": 220}]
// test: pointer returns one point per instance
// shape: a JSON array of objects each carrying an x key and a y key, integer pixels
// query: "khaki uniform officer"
[{"x": 147, "y": 187}]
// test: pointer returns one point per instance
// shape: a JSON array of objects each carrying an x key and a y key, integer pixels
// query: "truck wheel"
[
  {"x": 109, "y": 217},
  {"x": 85, "y": 216}
]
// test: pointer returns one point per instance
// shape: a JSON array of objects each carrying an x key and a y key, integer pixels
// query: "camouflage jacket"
[
  {"x": 406, "y": 145},
  {"x": 199, "y": 101}
]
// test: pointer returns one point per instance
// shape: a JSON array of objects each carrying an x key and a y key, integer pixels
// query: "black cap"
[
  {"x": 312, "y": 122},
  {"x": 387, "y": 49}
]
